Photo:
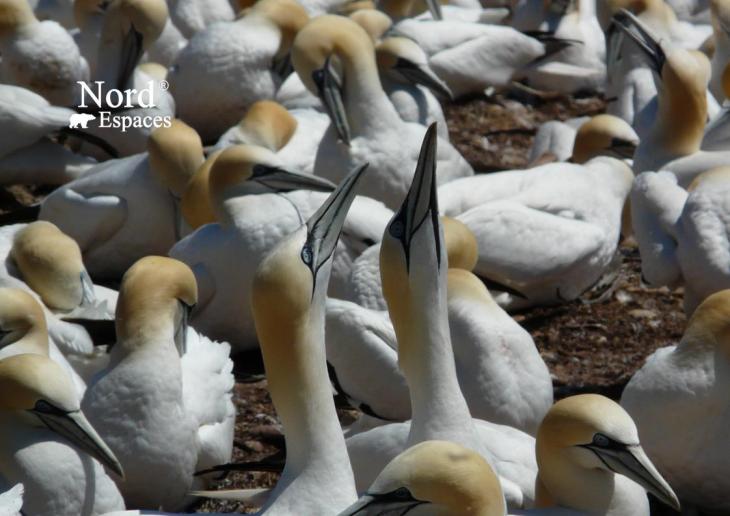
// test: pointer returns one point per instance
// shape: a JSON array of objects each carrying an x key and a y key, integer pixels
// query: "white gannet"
[
  {"x": 591, "y": 461},
  {"x": 229, "y": 65},
  {"x": 256, "y": 203},
  {"x": 673, "y": 142},
  {"x": 49, "y": 445},
  {"x": 39, "y": 55},
  {"x": 554, "y": 140},
  {"x": 413, "y": 268},
  {"x": 365, "y": 125},
  {"x": 128, "y": 208},
  {"x": 162, "y": 426},
  {"x": 27, "y": 155},
  {"x": 433, "y": 477},
  {"x": 682, "y": 234},
  {"x": 545, "y": 234},
  {"x": 678, "y": 401}
]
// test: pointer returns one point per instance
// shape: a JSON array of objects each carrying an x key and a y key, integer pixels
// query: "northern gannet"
[
  {"x": 256, "y": 203},
  {"x": 39, "y": 55},
  {"x": 228, "y": 66},
  {"x": 413, "y": 269},
  {"x": 365, "y": 125},
  {"x": 49, "y": 445},
  {"x": 128, "y": 208},
  {"x": 677, "y": 399},
  {"x": 162, "y": 404}
]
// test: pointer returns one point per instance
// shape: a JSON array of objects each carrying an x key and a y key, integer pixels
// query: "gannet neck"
[
  {"x": 175, "y": 154},
  {"x": 15, "y": 15},
  {"x": 465, "y": 286},
  {"x": 195, "y": 204},
  {"x": 23, "y": 324},
  {"x": 461, "y": 245}
]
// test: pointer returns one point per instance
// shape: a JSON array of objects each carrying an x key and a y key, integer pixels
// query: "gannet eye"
[
  {"x": 601, "y": 440},
  {"x": 307, "y": 255}
]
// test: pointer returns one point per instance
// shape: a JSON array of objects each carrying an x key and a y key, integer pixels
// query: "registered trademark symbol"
[{"x": 164, "y": 85}]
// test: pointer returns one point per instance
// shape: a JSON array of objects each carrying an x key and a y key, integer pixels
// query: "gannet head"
[
  {"x": 404, "y": 58},
  {"x": 290, "y": 284},
  {"x": 156, "y": 297},
  {"x": 591, "y": 433},
  {"x": 22, "y": 318},
  {"x": 434, "y": 477},
  {"x": 195, "y": 203},
  {"x": 268, "y": 124},
  {"x": 462, "y": 248},
  {"x": 248, "y": 169},
  {"x": 375, "y": 23},
  {"x": 13, "y": 15},
  {"x": 413, "y": 259},
  {"x": 42, "y": 394},
  {"x": 288, "y": 15},
  {"x": 51, "y": 264},
  {"x": 604, "y": 135},
  {"x": 175, "y": 153},
  {"x": 325, "y": 49},
  {"x": 709, "y": 325}
]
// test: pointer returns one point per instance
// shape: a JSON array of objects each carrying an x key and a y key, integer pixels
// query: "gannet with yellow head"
[
  {"x": 256, "y": 202},
  {"x": 127, "y": 208},
  {"x": 334, "y": 58},
  {"x": 677, "y": 401},
  {"x": 210, "y": 73},
  {"x": 158, "y": 398},
  {"x": 413, "y": 267},
  {"x": 57, "y": 62},
  {"x": 434, "y": 477},
  {"x": 49, "y": 445},
  {"x": 591, "y": 460}
]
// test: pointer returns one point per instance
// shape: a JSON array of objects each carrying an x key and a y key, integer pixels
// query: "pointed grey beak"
[
  {"x": 131, "y": 54},
  {"x": 74, "y": 427},
  {"x": 623, "y": 149},
  {"x": 324, "y": 227},
  {"x": 281, "y": 180},
  {"x": 632, "y": 462},
  {"x": 421, "y": 201},
  {"x": 181, "y": 330},
  {"x": 399, "y": 501},
  {"x": 329, "y": 87},
  {"x": 434, "y": 7},
  {"x": 423, "y": 75},
  {"x": 642, "y": 36},
  {"x": 88, "y": 296}
]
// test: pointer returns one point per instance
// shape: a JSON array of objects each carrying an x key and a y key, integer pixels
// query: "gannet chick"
[
  {"x": 365, "y": 125},
  {"x": 139, "y": 402},
  {"x": 438, "y": 477},
  {"x": 413, "y": 269},
  {"x": 128, "y": 208},
  {"x": 40, "y": 56},
  {"x": 256, "y": 203},
  {"x": 682, "y": 234},
  {"x": 591, "y": 460},
  {"x": 688, "y": 379},
  {"x": 49, "y": 445},
  {"x": 288, "y": 298},
  {"x": 228, "y": 66},
  {"x": 673, "y": 142}
]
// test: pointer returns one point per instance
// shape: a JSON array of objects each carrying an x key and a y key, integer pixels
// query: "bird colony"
[{"x": 231, "y": 178}]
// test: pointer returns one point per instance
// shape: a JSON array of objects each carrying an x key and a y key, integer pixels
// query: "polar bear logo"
[{"x": 81, "y": 119}]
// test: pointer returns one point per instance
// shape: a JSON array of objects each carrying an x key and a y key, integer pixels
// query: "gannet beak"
[
  {"x": 647, "y": 42},
  {"x": 623, "y": 149},
  {"x": 329, "y": 87},
  {"x": 421, "y": 201},
  {"x": 424, "y": 76},
  {"x": 88, "y": 296},
  {"x": 76, "y": 428},
  {"x": 324, "y": 227},
  {"x": 181, "y": 330},
  {"x": 434, "y": 7},
  {"x": 399, "y": 501},
  {"x": 131, "y": 53},
  {"x": 632, "y": 462},
  {"x": 281, "y": 180}
]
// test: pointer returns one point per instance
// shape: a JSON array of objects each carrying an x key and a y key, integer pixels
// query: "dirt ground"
[{"x": 592, "y": 345}]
